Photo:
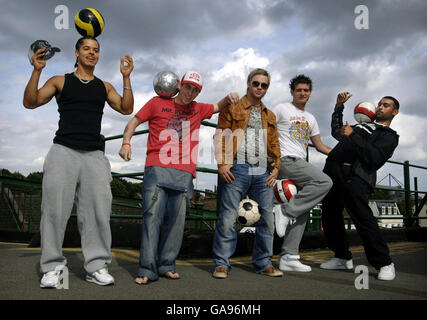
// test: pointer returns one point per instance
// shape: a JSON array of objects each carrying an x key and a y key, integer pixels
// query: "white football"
[{"x": 248, "y": 212}]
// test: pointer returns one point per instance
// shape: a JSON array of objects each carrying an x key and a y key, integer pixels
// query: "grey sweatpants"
[
  {"x": 84, "y": 177},
  {"x": 312, "y": 185}
]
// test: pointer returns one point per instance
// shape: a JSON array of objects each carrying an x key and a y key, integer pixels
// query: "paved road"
[
  {"x": 244, "y": 295},
  {"x": 19, "y": 280}
]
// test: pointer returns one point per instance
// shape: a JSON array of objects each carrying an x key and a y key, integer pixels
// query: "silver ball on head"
[{"x": 165, "y": 84}]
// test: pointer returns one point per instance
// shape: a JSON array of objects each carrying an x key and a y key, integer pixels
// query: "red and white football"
[
  {"x": 364, "y": 112},
  {"x": 284, "y": 190}
]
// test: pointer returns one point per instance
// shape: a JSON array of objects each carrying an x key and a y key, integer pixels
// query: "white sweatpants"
[
  {"x": 84, "y": 177},
  {"x": 312, "y": 185}
]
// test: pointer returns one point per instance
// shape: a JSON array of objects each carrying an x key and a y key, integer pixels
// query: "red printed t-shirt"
[{"x": 173, "y": 137}]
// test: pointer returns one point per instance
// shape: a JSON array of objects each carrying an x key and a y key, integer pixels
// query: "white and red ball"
[
  {"x": 364, "y": 112},
  {"x": 284, "y": 190},
  {"x": 248, "y": 212}
]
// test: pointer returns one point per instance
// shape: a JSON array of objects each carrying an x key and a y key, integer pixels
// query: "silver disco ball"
[{"x": 166, "y": 84}]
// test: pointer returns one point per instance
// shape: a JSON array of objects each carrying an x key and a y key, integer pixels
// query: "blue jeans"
[
  {"x": 165, "y": 197},
  {"x": 225, "y": 238}
]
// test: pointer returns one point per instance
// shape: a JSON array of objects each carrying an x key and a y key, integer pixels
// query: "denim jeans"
[
  {"x": 225, "y": 238},
  {"x": 165, "y": 197}
]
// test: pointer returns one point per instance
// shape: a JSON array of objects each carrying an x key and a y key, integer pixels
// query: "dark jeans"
[{"x": 350, "y": 191}]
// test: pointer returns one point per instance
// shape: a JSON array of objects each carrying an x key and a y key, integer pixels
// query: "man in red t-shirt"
[{"x": 170, "y": 167}]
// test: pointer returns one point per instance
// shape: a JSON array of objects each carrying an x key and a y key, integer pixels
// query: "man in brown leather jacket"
[{"x": 248, "y": 154}]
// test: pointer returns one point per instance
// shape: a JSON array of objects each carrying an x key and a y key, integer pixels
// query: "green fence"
[
  {"x": 314, "y": 222},
  {"x": 20, "y": 201}
]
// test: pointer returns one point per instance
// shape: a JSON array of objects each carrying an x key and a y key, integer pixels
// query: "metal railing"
[
  {"x": 20, "y": 200},
  {"x": 314, "y": 221},
  {"x": 20, "y": 203}
]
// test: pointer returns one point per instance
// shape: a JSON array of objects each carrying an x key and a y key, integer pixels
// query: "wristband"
[
  {"x": 126, "y": 144},
  {"x": 127, "y": 88}
]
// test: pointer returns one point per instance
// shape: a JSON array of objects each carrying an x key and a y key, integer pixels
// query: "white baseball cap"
[{"x": 194, "y": 78}]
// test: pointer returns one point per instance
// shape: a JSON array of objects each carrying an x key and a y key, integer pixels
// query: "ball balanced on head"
[
  {"x": 89, "y": 22},
  {"x": 165, "y": 84}
]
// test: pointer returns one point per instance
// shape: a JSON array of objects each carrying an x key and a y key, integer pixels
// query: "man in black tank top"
[{"x": 76, "y": 169}]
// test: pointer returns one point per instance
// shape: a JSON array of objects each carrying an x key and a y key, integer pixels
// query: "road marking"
[{"x": 310, "y": 257}]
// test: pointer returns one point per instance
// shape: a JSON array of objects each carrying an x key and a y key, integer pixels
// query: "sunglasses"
[{"x": 256, "y": 84}]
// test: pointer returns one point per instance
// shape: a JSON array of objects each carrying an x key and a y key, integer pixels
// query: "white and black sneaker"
[
  {"x": 337, "y": 264},
  {"x": 100, "y": 277},
  {"x": 290, "y": 262},
  {"x": 387, "y": 272},
  {"x": 281, "y": 220},
  {"x": 51, "y": 279}
]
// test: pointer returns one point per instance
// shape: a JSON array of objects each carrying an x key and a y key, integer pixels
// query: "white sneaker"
[
  {"x": 291, "y": 263},
  {"x": 387, "y": 272},
  {"x": 51, "y": 279},
  {"x": 337, "y": 264},
  {"x": 101, "y": 277},
  {"x": 281, "y": 220}
]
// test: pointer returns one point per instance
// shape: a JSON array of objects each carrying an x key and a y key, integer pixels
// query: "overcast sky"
[{"x": 223, "y": 40}]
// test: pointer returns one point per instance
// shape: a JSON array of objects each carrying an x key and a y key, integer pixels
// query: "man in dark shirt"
[
  {"x": 352, "y": 165},
  {"x": 76, "y": 169}
]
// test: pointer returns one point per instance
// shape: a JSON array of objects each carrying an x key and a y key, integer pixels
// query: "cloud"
[
  {"x": 223, "y": 40},
  {"x": 240, "y": 64}
]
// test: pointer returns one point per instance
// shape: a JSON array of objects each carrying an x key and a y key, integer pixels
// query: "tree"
[
  {"x": 118, "y": 188},
  {"x": 15, "y": 175},
  {"x": 35, "y": 177}
]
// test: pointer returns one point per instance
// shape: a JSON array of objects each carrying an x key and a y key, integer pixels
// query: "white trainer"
[
  {"x": 290, "y": 262},
  {"x": 101, "y": 277},
  {"x": 337, "y": 264},
  {"x": 387, "y": 272},
  {"x": 51, "y": 279},
  {"x": 281, "y": 220}
]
